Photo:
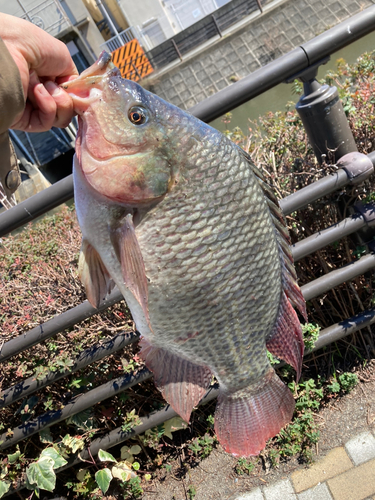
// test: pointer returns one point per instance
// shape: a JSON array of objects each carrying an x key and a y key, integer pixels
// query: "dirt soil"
[{"x": 214, "y": 478}]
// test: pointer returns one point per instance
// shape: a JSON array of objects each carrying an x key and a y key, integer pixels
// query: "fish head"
[{"x": 122, "y": 144}]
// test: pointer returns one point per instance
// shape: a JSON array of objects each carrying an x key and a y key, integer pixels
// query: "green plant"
[
  {"x": 202, "y": 446},
  {"x": 309, "y": 395},
  {"x": 191, "y": 492},
  {"x": 244, "y": 466},
  {"x": 132, "y": 488},
  {"x": 310, "y": 333},
  {"x": 40, "y": 475},
  {"x": 348, "y": 381},
  {"x": 103, "y": 476},
  {"x": 345, "y": 382},
  {"x": 131, "y": 420}
]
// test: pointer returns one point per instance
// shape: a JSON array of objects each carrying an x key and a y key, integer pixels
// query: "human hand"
[{"x": 43, "y": 62}]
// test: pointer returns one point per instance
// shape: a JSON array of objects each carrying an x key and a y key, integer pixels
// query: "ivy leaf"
[
  {"x": 74, "y": 443},
  {"x": 59, "y": 461},
  {"x": 41, "y": 473},
  {"x": 174, "y": 424},
  {"x": 4, "y": 487},
  {"x": 45, "y": 436},
  {"x": 3, "y": 471},
  {"x": 103, "y": 478},
  {"x": 14, "y": 457},
  {"x": 83, "y": 420},
  {"x": 122, "y": 471},
  {"x": 106, "y": 457}
]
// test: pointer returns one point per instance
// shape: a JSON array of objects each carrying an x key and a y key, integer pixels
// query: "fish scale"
[
  {"x": 254, "y": 221},
  {"x": 183, "y": 222}
]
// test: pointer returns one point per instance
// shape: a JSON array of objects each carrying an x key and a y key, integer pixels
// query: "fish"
[{"x": 181, "y": 220}]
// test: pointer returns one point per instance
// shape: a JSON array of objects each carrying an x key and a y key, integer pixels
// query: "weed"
[
  {"x": 310, "y": 332},
  {"x": 344, "y": 382},
  {"x": 191, "y": 492},
  {"x": 131, "y": 420},
  {"x": 132, "y": 488},
  {"x": 202, "y": 446},
  {"x": 244, "y": 466}
]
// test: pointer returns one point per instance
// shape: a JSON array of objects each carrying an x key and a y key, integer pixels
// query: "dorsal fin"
[{"x": 285, "y": 340}]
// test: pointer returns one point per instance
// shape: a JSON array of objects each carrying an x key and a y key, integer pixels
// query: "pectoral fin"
[
  {"x": 93, "y": 274},
  {"x": 132, "y": 265}
]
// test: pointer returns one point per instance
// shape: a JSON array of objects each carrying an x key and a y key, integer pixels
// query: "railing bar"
[
  {"x": 324, "y": 186},
  {"x": 327, "y": 236},
  {"x": 55, "y": 325},
  {"x": 30, "y": 385},
  {"x": 62, "y": 191},
  {"x": 353, "y": 167},
  {"x": 286, "y": 66},
  {"x": 81, "y": 403},
  {"x": 116, "y": 436},
  {"x": 36, "y": 205},
  {"x": 338, "y": 276},
  {"x": 76, "y": 314}
]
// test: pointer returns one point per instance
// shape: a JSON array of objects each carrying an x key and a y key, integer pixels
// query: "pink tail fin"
[
  {"x": 182, "y": 383},
  {"x": 245, "y": 419}
]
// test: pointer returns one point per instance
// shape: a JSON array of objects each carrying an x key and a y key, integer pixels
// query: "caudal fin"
[{"x": 246, "y": 419}]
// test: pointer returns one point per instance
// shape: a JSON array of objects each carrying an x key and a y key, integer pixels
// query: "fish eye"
[{"x": 137, "y": 115}]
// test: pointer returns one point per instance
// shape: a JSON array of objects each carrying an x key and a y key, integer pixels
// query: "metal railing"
[
  {"x": 119, "y": 40},
  {"x": 204, "y": 30},
  {"x": 48, "y": 15},
  {"x": 212, "y": 107}
]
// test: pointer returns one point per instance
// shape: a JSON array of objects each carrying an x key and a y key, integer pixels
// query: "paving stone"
[
  {"x": 281, "y": 489},
  {"x": 361, "y": 448},
  {"x": 255, "y": 494},
  {"x": 336, "y": 462},
  {"x": 319, "y": 492},
  {"x": 355, "y": 484}
]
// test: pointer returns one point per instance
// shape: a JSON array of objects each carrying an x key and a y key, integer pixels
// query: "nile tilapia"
[{"x": 182, "y": 221}]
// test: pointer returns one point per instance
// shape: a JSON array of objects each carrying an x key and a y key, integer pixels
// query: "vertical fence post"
[
  {"x": 217, "y": 26},
  {"x": 176, "y": 49},
  {"x": 260, "y": 6}
]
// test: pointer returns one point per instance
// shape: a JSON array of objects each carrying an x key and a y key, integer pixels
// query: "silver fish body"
[{"x": 195, "y": 241}]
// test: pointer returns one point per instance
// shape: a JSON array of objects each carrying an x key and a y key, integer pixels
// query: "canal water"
[{"x": 277, "y": 98}]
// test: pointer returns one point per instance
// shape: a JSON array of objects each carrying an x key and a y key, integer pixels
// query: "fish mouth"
[{"x": 87, "y": 87}]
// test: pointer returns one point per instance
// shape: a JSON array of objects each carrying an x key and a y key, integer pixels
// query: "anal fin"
[
  {"x": 246, "y": 419},
  {"x": 181, "y": 382},
  {"x": 93, "y": 274}
]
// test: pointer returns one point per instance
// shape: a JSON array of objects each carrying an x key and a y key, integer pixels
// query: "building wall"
[
  {"x": 138, "y": 13},
  {"x": 283, "y": 26},
  {"x": 90, "y": 36}
]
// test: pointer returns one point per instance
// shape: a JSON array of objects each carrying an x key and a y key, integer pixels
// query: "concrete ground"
[{"x": 345, "y": 473}]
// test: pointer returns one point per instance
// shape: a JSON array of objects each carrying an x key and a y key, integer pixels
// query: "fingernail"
[
  {"x": 52, "y": 88},
  {"x": 42, "y": 90}
]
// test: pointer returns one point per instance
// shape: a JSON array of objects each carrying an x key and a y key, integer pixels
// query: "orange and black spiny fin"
[
  {"x": 93, "y": 274},
  {"x": 132, "y": 265}
]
